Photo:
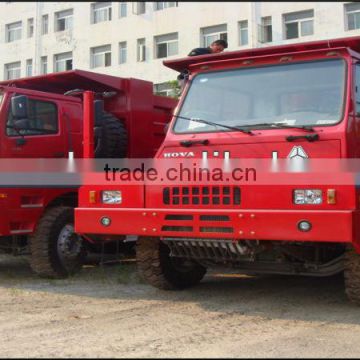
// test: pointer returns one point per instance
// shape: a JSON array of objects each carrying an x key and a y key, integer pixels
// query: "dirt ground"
[{"x": 109, "y": 312}]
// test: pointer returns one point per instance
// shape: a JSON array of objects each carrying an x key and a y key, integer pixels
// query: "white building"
[{"x": 131, "y": 39}]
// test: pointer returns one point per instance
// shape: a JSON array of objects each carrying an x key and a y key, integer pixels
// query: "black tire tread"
[
  {"x": 151, "y": 266},
  {"x": 42, "y": 260},
  {"x": 114, "y": 138}
]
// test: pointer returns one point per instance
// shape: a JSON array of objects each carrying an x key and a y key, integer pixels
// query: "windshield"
[{"x": 298, "y": 94}]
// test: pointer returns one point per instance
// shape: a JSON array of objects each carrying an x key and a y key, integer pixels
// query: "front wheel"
[
  {"x": 165, "y": 272},
  {"x": 56, "y": 250}
]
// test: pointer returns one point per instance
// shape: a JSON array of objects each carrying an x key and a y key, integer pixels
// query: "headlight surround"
[
  {"x": 308, "y": 196},
  {"x": 111, "y": 197}
]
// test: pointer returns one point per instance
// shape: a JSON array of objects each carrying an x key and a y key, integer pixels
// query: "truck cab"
[{"x": 290, "y": 102}]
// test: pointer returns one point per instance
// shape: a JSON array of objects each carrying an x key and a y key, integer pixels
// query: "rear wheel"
[
  {"x": 110, "y": 138},
  {"x": 56, "y": 250},
  {"x": 352, "y": 275},
  {"x": 162, "y": 271}
]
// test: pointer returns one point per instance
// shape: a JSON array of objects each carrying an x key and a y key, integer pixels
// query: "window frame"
[
  {"x": 299, "y": 24},
  {"x": 122, "y": 48},
  {"x": 244, "y": 29},
  {"x": 45, "y": 24},
  {"x": 29, "y": 63},
  {"x": 68, "y": 20},
  {"x": 350, "y": 12},
  {"x": 105, "y": 7},
  {"x": 13, "y": 34},
  {"x": 105, "y": 55},
  {"x": 7, "y": 70},
  {"x": 167, "y": 42},
  {"x": 31, "y": 99},
  {"x": 61, "y": 61}
]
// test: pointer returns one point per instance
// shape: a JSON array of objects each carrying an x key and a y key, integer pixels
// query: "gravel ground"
[{"x": 109, "y": 312}]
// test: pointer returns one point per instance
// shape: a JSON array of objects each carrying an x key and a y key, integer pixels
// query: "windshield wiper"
[
  {"x": 234, "y": 128},
  {"x": 285, "y": 126}
]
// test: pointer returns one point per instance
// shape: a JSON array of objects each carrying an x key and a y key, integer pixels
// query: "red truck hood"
[{"x": 279, "y": 149}]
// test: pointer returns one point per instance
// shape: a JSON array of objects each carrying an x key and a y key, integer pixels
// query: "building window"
[
  {"x": 166, "y": 45},
  {"x": 243, "y": 33},
  {"x": 12, "y": 70},
  {"x": 44, "y": 24},
  {"x": 123, "y": 9},
  {"x": 13, "y": 31},
  {"x": 43, "y": 64},
  {"x": 64, "y": 20},
  {"x": 265, "y": 30},
  {"x": 299, "y": 24},
  {"x": 139, "y": 7},
  {"x": 100, "y": 56},
  {"x": 160, "y": 5},
  {"x": 163, "y": 89},
  {"x": 352, "y": 12},
  {"x": 63, "y": 62},
  {"x": 122, "y": 52},
  {"x": 29, "y": 67},
  {"x": 141, "y": 50},
  {"x": 212, "y": 33},
  {"x": 30, "y": 27},
  {"x": 101, "y": 11}
]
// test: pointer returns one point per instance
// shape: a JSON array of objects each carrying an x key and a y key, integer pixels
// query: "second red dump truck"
[
  {"x": 297, "y": 101},
  {"x": 43, "y": 117}
]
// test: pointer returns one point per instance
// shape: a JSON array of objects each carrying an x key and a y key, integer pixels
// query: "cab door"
[{"x": 40, "y": 135}]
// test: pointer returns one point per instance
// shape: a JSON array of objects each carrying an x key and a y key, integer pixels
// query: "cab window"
[{"x": 42, "y": 120}]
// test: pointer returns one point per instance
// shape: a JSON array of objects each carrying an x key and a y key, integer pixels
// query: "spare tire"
[{"x": 110, "y": 138}]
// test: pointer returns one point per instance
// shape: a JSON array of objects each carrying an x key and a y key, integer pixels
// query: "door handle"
[{"x": 59, "y": 154}]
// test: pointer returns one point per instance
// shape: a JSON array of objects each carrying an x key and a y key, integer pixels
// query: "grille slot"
[
  {"x": 202, "y": 195},
  {"x": 214, "y": 218},
  {"x": 177, "y": 228},
  {"x": 179, "y": 217},
  {"x": 216, "y": 229}
]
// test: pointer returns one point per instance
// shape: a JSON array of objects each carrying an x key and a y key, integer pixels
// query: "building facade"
[{"x": 131, "y": 39}]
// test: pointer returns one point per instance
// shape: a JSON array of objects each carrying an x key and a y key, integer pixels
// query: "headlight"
[
  {"x": 111, "y": 197},
  {"x": 308, "y": 196}
]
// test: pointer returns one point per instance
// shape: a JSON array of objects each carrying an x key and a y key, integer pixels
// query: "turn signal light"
[
  {"x": 331, "y": 196},
  {"x": 92, "y": 197}
]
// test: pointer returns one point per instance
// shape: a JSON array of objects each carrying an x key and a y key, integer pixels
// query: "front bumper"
[{"x": 328, "y": 225}]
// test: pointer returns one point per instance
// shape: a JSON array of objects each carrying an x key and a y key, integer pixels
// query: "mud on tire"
[
  {"x": 56, "y": 252},
  {"x": 160, "y": 270},
  {"x": 352, "y": 274}
]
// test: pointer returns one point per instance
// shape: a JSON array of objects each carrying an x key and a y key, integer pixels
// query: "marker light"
[
  {"x": 92, "y": 197},
  {"x": 331, "y": 196}
]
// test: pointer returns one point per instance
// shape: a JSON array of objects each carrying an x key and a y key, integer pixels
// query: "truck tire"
[
  {"x": 56, "y": 251},
  {"x": 352, "y": 275},
  {"x": 110, "y": 138},
  {"x": 162, "y": 271}
]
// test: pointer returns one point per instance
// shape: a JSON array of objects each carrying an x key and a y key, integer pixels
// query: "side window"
[
  {"x": 357, "y": 88},
  {"x": 43, "y": 120}
]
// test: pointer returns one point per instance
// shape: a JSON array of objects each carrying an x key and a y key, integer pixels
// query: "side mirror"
[
  {"x": 19, "y": 107},
  {"x": 98, "y": 112}
]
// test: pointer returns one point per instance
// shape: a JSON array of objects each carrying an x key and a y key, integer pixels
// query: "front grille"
[{"x": 205, "y": 195}]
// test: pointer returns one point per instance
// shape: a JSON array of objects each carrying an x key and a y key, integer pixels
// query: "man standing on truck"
[{"x": 216, "y": 47}]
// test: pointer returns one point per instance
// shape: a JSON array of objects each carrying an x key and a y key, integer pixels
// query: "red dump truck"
[
  {"x": 42, "y": 117},
  {"x": 295, "y": 101}
]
